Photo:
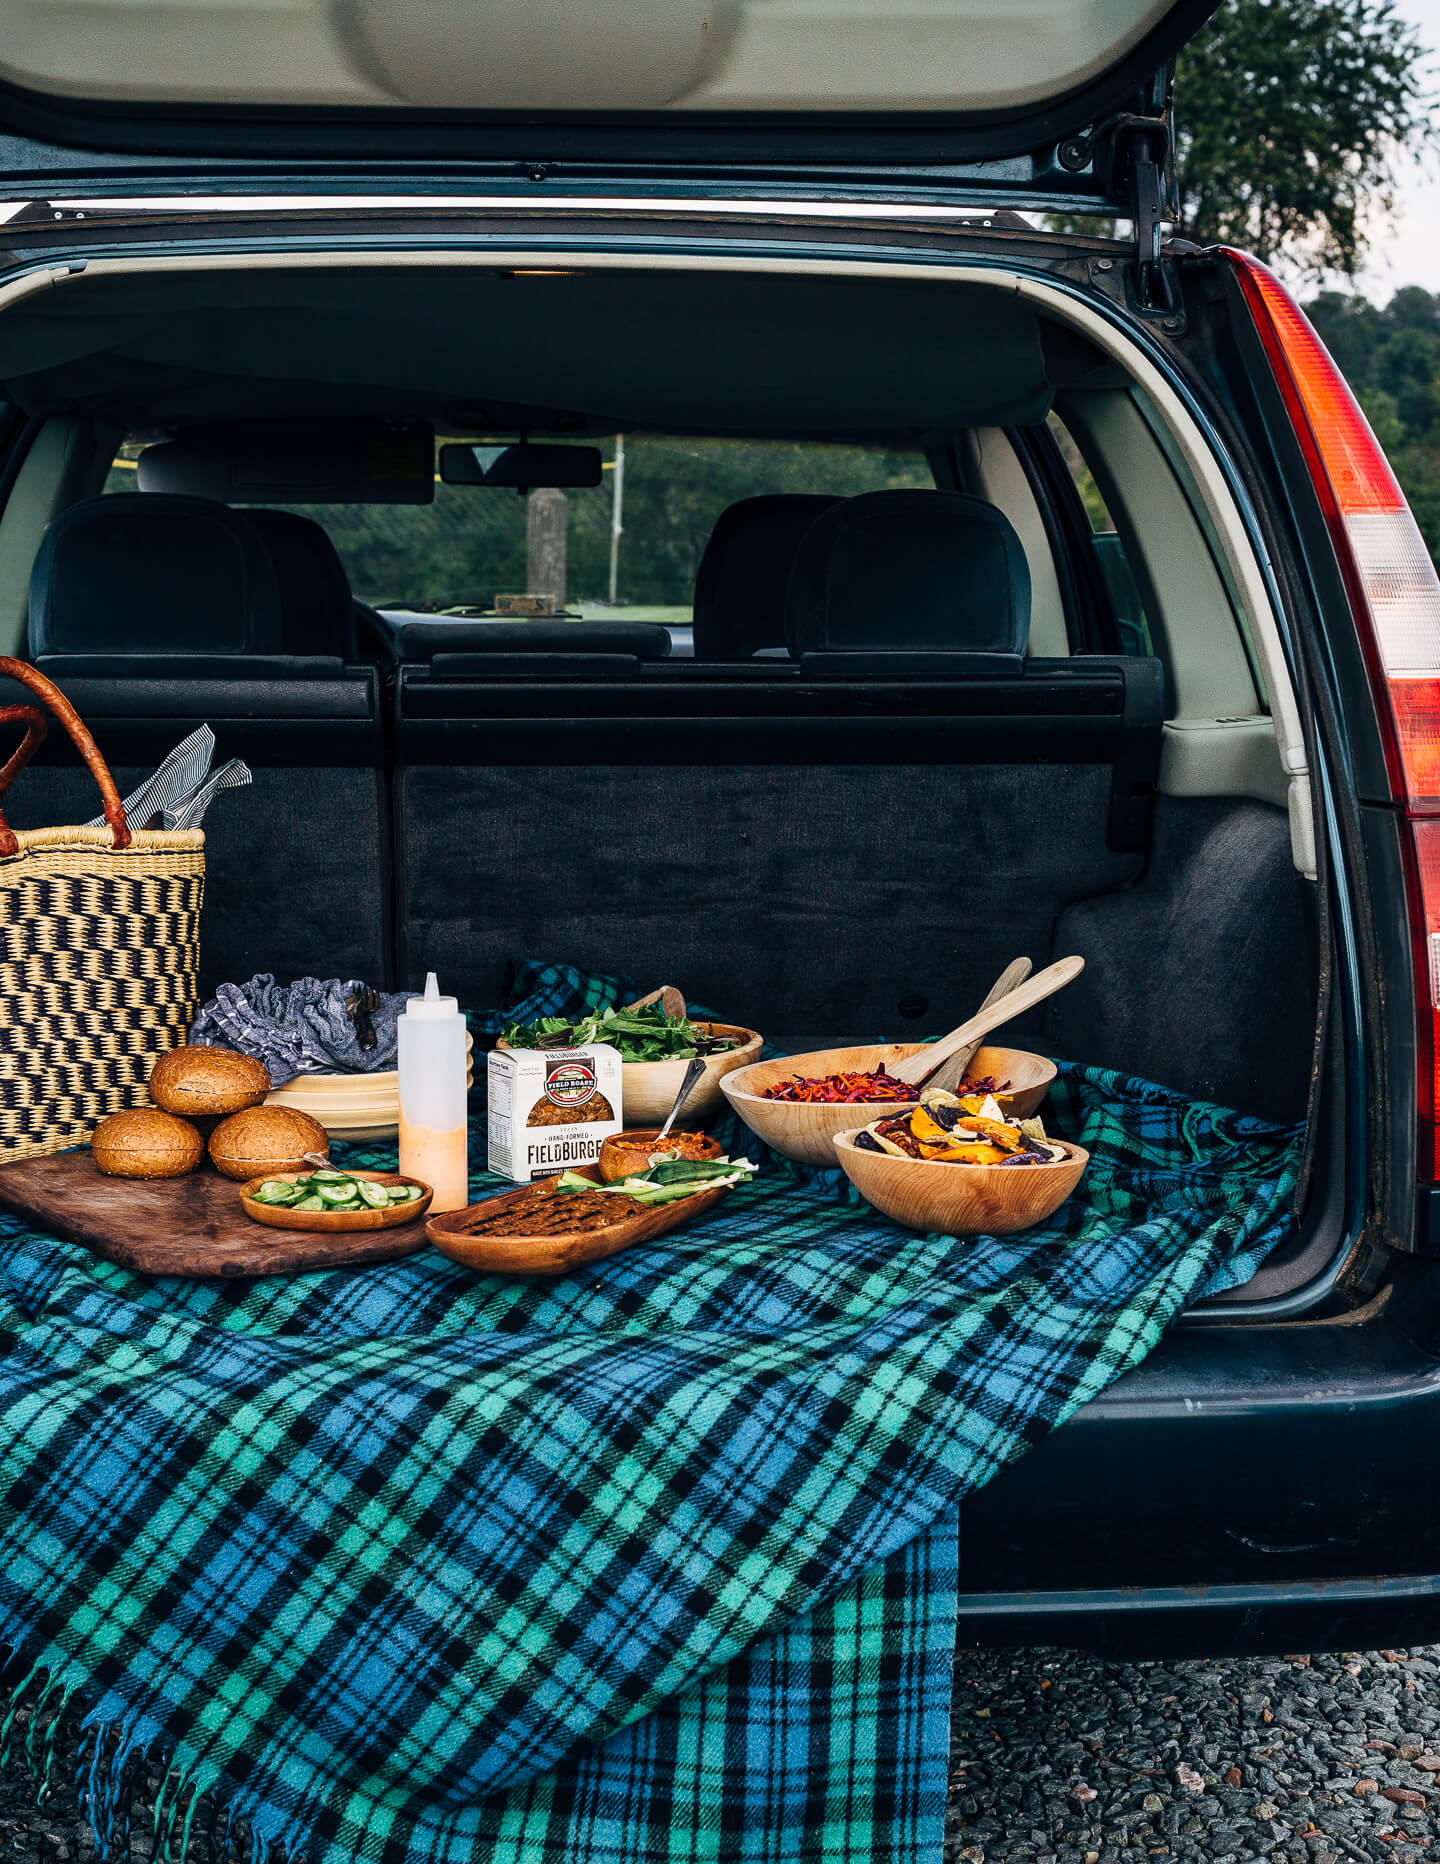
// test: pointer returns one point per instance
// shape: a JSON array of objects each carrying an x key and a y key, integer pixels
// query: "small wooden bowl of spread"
[{"x": 625, "y": 1153}]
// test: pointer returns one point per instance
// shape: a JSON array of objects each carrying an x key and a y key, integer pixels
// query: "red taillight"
[
  {"x": 1425, "y": 914},
  {"x": 1395, "y": 597}
]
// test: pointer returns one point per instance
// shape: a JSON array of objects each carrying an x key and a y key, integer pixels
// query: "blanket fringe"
[{"x": 112, "y": 1761}]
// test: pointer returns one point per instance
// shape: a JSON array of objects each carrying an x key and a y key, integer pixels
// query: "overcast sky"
[{"x": 1408, "y": 252}]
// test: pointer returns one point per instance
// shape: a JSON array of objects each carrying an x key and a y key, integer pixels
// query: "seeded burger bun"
[
  {"x": 264, "y": 1140},
  {"x": 146, "y": 1143},
  {"x": 199, "y": 1081}
]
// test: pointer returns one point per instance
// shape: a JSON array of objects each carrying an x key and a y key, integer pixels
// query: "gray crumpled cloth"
[{"x": 299, "y": 1028}]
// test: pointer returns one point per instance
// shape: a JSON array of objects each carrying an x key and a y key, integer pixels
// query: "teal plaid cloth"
[{"x": 655, "y": 1560}]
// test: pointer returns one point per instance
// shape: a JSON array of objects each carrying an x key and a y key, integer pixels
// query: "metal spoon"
[{"x": 692, "y": 1075}]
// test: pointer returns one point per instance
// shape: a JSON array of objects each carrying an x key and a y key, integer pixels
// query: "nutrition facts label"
[{"x": 501, "y": 1144}]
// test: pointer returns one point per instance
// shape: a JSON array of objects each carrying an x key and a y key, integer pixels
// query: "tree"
[
  {"x": 1291, "y": 117},
  {"x": 1391, "y": 358}
]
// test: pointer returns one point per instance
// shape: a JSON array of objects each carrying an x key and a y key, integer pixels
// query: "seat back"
[
  {"x": 740, "y": 586},
  {"x": 155, "y": 614},
  {"x": 906, "y": 583},
  {"x": 421, "y": 641},
  {"x": 317, "y": 610},
  {"x": 142, "y": 573}
]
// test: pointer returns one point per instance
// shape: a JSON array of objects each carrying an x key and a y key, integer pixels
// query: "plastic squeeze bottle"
[{"x": 433, "y": 1146}]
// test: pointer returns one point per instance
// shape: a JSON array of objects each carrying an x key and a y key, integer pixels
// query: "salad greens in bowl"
[
  {"x": 646, "y": 1034},
  {"x": 655, "y": 1047}
]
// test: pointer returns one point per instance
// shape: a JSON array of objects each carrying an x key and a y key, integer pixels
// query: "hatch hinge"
[
  {"x": 46, "y": 210},
  {"x": 1136, "y": 161}
]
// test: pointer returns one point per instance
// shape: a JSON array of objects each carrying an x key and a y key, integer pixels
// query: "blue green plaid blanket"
[{"x": 654, "y": 1561}]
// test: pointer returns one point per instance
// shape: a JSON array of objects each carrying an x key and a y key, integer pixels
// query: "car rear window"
[{"x": 470, "y": 545}]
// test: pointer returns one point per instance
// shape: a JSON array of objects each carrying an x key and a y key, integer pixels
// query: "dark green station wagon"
[{"x": 296, "y": 300}]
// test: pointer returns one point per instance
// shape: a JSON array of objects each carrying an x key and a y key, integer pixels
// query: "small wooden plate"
[
  {"x": 286, "y": 1217},
  {"x": 557, "y": 1251}
]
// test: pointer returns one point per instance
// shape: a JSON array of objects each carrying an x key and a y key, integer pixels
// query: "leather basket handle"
[{"x": 51, "y": 696}]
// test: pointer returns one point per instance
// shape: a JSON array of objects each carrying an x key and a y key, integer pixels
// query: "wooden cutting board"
[{"x": 191, "y": 1226}]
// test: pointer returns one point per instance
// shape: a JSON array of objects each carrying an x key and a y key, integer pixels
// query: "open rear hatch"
[{"x": 1041, "y": 104}]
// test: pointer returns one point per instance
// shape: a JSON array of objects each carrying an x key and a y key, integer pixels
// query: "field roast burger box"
[{"x": 550, "y": 1109}]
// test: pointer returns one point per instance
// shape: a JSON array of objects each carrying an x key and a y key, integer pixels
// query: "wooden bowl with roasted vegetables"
[
  {"x": 951, "y": 1163},
  {"x": 805, "y": 1129},
  {"x": 327, "y": 1198},
  {"x": 656, "y": 1046},
  {"x": 961, "y": 1200}
]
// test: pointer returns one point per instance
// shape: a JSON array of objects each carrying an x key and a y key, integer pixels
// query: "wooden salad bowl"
[
  {"x": 286, "y": 1217},
  {"x": 648, "y": 1088},
  {"x": 552, "y": 1252},
  {"x": 805, "y": 1130},
  {"x": 960, "y": 1200}
]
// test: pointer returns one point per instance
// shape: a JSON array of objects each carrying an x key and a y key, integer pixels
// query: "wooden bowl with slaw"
[{"x": 805, "y": 1130}]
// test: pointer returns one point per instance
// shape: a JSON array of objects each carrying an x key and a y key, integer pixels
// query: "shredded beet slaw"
[{"x": 859, "y": 1086}]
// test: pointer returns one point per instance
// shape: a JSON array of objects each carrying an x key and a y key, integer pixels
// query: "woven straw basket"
[{"x": 99, "y": 945}]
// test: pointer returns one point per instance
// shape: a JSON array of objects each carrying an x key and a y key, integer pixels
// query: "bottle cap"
[{"x": 432, "y": 1005}]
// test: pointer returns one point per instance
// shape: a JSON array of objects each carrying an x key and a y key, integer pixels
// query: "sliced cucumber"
[
  {"x": 311, "y": 1203},
  {"x": 328, "y": 1175},
  {"x": 406, "y": 1194},
  {"x": 375, "y": 1195},
  {"x": 342, "y": 1192}
]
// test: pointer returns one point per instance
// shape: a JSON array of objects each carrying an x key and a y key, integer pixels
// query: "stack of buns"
[{"x": 198, "y": 1090}]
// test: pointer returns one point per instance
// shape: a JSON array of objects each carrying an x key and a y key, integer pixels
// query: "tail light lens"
[{"x": 1395, "y": 598}]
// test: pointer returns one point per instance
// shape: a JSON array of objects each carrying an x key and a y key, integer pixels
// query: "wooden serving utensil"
[
  {"x": 916, "y": 1068},
  {"x": 671, "y": 1000},
  {"x": 951, "y": 1073}
]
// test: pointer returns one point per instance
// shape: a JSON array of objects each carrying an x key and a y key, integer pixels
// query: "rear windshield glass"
[{"x": 633, "y": 555}]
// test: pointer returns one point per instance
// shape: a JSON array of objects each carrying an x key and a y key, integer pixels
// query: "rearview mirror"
[{"x": 521, "y": 466}]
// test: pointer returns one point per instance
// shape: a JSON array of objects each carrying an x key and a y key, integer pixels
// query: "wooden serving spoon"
[
  {"x": 951, "y": 1073},
  {"x": 671, "y": 1000},
  {"x": 916, "y": 1068}
]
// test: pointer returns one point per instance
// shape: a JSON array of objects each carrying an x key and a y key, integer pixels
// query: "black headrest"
[
  {"x": 420, "y": 640},
  {"x": 147, "y": 573},
  {"x": 317, "y": 611},
  {"x": 909, "y": 573},
  {"x": 740, "y": 585}
]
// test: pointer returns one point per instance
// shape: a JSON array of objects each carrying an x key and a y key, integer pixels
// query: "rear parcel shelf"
[{"x": 1096, "y": 710}]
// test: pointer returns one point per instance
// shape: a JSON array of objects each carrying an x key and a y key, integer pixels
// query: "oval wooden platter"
[
  {"x": 553, "y": 1253},
  {"x": 334, "y": 1222}
]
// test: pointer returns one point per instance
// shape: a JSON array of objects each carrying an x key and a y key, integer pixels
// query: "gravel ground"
[{"x": 1060, "y": 1759}]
